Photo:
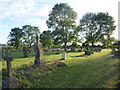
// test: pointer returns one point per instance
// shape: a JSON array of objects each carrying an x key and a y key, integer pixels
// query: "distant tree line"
[{"x": 93, "y": 28}]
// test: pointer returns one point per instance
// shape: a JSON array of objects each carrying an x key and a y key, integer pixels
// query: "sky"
[{"x": 17, "y": 13}]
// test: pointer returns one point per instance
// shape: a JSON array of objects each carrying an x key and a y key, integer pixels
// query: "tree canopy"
[
  {"x": 15, "y": 37},
  {"x": 96, "y": 26},
  {"x": 47, "y": 39},
  {"x": 62, "y": 21},
  {"x": 30, "y": 34}
]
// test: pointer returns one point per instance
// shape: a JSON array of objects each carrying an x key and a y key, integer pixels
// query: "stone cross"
[
  {"x": 42, "y": 59},
  {"x": 10, "y": 81},
  {"x": 8, "y": 60},
  {"x": 39, "y": 59},
  {"x": 63, "y": 55},
  {"x": 37, "y": 53}
]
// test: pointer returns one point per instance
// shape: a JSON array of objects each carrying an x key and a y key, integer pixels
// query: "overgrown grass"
[{"x": 95, "y": 71}]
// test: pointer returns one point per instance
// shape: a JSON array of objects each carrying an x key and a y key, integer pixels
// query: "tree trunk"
[
  {"x": 65, "y": 46},
  {"x": 25, "y": 52},
  {"x": 92, "y": 44},
  {"x": 30, "y": 45}
]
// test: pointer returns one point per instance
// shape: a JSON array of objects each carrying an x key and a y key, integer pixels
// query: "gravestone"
[
  {"x": 39, "y": 59},
  {"x": 8, "y": 60},
  {"x": 88, "y": 52},
  {"x": 97, "y": 50},
  {"x": 25, "y": 52},
  {"x": 79, "y": 50},
  {"x": 72, "y": 49},
  {"x": 41, "y": 53},
  {"x": 46, "y": 50},
  {"x": 117, "y": 53},
  {"x": 10, "y": 81},
  {"x": 63, "y": 55}
]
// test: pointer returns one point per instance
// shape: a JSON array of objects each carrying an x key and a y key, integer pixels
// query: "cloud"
[
  {"x": 3, "y": 37},
  {"x": 43, "y": 12},
  {"x": 26, "y": 8},
  {"x": 41, "y": 24},
  {"x": 27, "y": 12},
  {"x": 16, "y": 8},
  {"x": 3, "y": 25}
]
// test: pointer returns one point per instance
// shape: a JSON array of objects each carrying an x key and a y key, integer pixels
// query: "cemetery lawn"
[{"x": 98, "y": 70}]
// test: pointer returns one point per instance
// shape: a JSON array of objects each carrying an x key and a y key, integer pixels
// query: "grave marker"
[
  {"x": 39, "y": 59},
  {"x": 41, "y": 53},
  {"x": 63, "y": 55},
  {"x": 8, "y": 60},
  {"x": 10, "y": 81},
  {"x": 37, "y": 53}
]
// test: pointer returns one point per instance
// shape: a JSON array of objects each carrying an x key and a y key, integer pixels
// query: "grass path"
[{"x": 95, "y": 71}]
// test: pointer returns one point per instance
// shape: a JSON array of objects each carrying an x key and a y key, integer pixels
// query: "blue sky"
[{"x": 16, "y": 13}]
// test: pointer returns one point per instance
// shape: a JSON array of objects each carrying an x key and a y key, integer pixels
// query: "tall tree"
[
  {"x": 62, "y": 21},
  {"x": 47, "y": 39},
  {"x": 15, "y": 37},
  {"x": 30, "y": 34},
  {"x": 97, "y": 25},
  {"x": 105, "y": 24},
  {"x": 89, "y": 28}
]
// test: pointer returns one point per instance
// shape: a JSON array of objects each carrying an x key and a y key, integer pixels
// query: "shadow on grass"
[
  {"x": 100, "y": 65},
  {"x": 91, "y": 74},
  {"x": 81, "y": 55},
  {"x": 25, "y": 68}
]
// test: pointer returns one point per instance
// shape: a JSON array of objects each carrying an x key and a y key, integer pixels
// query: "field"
[{"x": 99, "y": 70}]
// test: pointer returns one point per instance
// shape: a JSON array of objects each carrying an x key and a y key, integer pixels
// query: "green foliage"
[
  {"x": 62, "y": 21},
  {"x": 108, "y": 41},
  {"x": 47, "y": 39},
  {"x": 105, "y": 22},
  {"x": 8, "y": 48},
  {"x": 23, "y": 37},
  {"x": 97, "y": 25},
  {"x": 116, "y": 44},
  {"x": 29, "y": 34},
  {"x": 15, "y": 37},
  {"x": 74, "y": 45}
]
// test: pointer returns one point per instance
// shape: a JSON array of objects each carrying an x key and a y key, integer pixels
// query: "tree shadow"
[{"x": 81, "y": 55}]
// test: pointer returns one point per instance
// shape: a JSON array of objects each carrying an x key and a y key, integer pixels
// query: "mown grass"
[{"x": 95, "y": 71}]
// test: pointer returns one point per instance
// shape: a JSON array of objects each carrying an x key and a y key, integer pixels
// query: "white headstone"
[{"x": 64, "y": 55}]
